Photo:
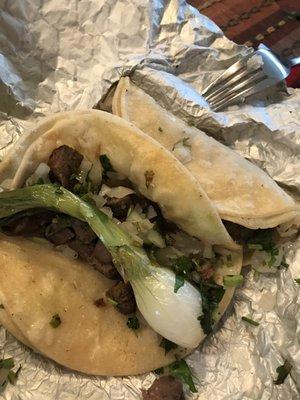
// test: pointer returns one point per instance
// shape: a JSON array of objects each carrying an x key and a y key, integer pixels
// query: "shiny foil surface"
[{"x": 64, "y": 55}]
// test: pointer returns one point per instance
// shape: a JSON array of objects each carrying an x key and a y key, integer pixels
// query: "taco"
[
  {"x": 113, "y": 260},
  {"x": 241, "y": 192}
]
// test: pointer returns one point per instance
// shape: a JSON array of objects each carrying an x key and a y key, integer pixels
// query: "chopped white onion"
[
  {"x": 187, "y": 244},
  {"x": 151, "y": 213},
  {"x": 41, "y": 172},
  {"x": 288, "y": 229},
  {"x": 155, "y": 237},
  {"x": 83, "y": 170},
  {"x": 117, "y": 192},
  {"x": 260, "y": 261}
]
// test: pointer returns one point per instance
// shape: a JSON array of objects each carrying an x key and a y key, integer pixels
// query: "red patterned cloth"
[{"x": 276, "y": 23}]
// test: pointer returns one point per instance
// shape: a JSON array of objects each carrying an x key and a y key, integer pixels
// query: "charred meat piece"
[
  {"x": 239, "y": 233},
  {"x": 29, "y": 225},
  {"x": 61, "y": 236},
  {"x": 101, "y": 253},
  {"x": 82, "y": 231},
  {"x": 122, "y": 294},
  {"x": 121, "y": 206},
  {"x": 84, "y": 251},
  {"x": 164, "y": 388},
  {"x": 64, "y": 163},
  {"x": 102, "y": 261},
  {"x": 108, "y": 270}
]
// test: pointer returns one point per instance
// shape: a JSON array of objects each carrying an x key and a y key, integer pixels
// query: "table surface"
[{"x": 272, "y": 22}]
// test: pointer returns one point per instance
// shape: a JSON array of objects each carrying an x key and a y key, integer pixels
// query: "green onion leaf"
[
  {"x": 233, "y": 280},
  {"x": 180, "y": 370},
  {"x": 250, "y": 321},
  {"x": 133, "y": 323},
  {"x": 283, "y": 371},
  {"x": 167, "y": 345},
  {"x": 55, "y": 321}
]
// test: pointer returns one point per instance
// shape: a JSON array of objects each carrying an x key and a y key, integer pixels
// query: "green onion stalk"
[{"x": 172, "y": 315}]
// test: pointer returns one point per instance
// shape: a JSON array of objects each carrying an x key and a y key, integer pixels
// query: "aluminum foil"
[{"x": 60, "y": 55}]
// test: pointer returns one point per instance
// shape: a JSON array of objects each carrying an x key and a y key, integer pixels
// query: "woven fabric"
[{"x": 272, "y": 22}]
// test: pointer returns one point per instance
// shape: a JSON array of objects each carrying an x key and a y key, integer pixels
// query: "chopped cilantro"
[
  {"x": 106, "y": 164},
  {"x": 283, "y": 371},
  {"x": 250, "y": 321},
  {"x": 133, "y": 323},
  {"x": 159, "y": 371},
  {"x": 6, "y": 372},
  {"x": 255, "y": 246},
  {"x": 211, "y": 295},
  {"x": 149, "y": 175},
  {"x": 273, "y": 252},
  {"x": 7, "y": 363},
  {"x": 55, "y": 321},
  {"x": 111, "y": 301},
  {"x": 264, "y": 238},
  {"x": 233, "y": 280},
  {"x": 182, "y": 142},
  {"x": 179, "y": 282},
  {"x": 180, "y": 370},
  {"x": 167, "y": 345},
  {"x": 297, "y": 280}
]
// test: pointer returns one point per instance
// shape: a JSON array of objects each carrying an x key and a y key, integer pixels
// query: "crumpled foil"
[{"x": 61, "y": 55}]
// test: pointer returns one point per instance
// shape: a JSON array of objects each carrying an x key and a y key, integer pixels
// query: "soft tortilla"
[
  {"x": 133, "y": 154},
  {"x": 241, "y": 192},
  {"x": 37, "y": 282}
]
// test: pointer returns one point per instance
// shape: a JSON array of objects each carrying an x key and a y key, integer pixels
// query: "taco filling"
[{"x": 141, "y": 218}]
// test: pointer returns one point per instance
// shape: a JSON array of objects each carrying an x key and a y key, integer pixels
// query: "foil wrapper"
[{"x": 62, "y": 55}]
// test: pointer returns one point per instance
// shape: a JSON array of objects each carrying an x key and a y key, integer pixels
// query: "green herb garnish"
[
  {"x": 211, "y": 294},
  {"x": 133, "y": 323},
  {"x": 106, "y": 164},
  {"x": 255, "y": 246},
  {"x": 264, "y": 238},
  {"x": 179, "y": 282},
  {"x": 283, "y": 371},
  {"x": 233, "y": 280},
  {"x": 182, "y": 142},
  {"x": 111, "y": 301},
  {"x": 250, "y": 321},
  {"x": 274, "y": 252},
  {"x": 167, "y": 345},
  {"x": 55, "y": 321},
  {"x": 159, "y": 371},
  {"x": 6, "y": 372},
  {"x": 149, "y": 175},
  {"x": 180, "y": 370}
]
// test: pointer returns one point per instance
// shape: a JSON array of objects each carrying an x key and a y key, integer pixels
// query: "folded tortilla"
[
  {"x": 37, "y": 281},
  {"x": 241, "y": 192}
]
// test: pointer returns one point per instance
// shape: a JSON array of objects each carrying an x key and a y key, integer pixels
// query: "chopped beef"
[
  {"x": 122, "y": 294},
  {"x": 108, "y": 270},
  {"x": 121, "y": 206},
  {"x": 29, "y": 225},
  {"x": 61, "y": 237},
  {"x": 164, "y": 388},
  {"x": 101, "y": 253},
  {"x": 82, "y": 230},
  {"x": 84, "y": 251},
  {"x": 239, "y": 233},
  {"x": 64, "y": 163}
]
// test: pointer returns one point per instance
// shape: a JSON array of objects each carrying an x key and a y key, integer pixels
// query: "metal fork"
[{"x": 245, "y": 78}]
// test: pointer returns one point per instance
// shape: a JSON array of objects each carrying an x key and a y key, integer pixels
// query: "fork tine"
[
  {"x": 234, "y": 68},
  {"x": 233, "y": 80},
  {"x": 252, "y": 79},
  {"x": 245, "y": 93}
]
